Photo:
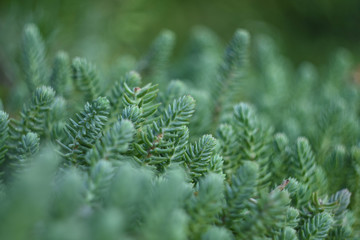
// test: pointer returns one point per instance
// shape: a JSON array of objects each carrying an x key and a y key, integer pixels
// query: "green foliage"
[
  {"x": 246, "y": 140},
  {"x": 199, "y": 155},
  {"x": 33, "y": 118},
  {"x": 117, "y": 97},
  {"x": 33, "y": 57},
  {"x": 83, "y": 132},
  {"x": 264, "y": 214},
  {"x": 30, "y": 193},
  {"x": 342, "y": 228},
  {"x": 153, "y": 64},
  {"x": 142, "y": 98},
  {"x": 287, "y": 234},
  {"x": 204, "y": 49},
  {"x": 133, "y": 166},
  {"x": 61, "y": 74},
  {"x": 317, "y": 227},
  {"x": 233, "y": 67},
  {"x": 114, "y": 142},
  {"x": 243, "y": 186},
  {"x": 280, "y": 160},
  {"x": 304, "y": 163},
  {"x": 29, "y": 145},
  {"x": 207, "y": 196},
  {"x": 216, "y": 233},
  {"x": 3, "y": 136},
  {"x": 133, "y": 113},
  {"x": 165, "y": 140},
  {"x": 99, "y": 181},
  {"x": 25, "y": 151},
  {"x": 56, "y": 119},
  {"x": 85, "y": 77}
]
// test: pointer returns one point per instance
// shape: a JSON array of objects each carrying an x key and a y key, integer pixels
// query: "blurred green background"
[{"x": 102, "y": 31}]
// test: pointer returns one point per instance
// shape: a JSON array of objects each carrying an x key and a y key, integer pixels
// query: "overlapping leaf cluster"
[{"x": 139, "y": 163}]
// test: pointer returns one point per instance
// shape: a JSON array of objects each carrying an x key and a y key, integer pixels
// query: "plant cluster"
[{"x": 136, "y": 157}]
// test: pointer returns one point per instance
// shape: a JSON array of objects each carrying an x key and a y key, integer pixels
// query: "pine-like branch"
[
  {"x": 86, "y": 78},
  {"x": 165, "y": 140},
  {"x": 341, "y": 228},
  {"x": 280, "y": 158},
  {"x": 216, "y": 165},
  {"x": 153, "y": 64},
  {"x": 317, "y": 227},
  {"x": 87, "y": 127},
  {"x": 4, "y": 121},
  {"x": 57, "y": 120},
  {"x": 132, "y": 80},
  {"x": 206, "y": 204},
  {"x": 99, "y": 181},
  {"x": 61, "y": 74},
  {"x": 234, "y": 63},
  {"x": 215, "y": 233},
  {"x": 266, "y": 213},
  {"x": 114, "y": 142},
  {"x": 199, "y": 155},
  {"x": 33, "y": 57},
  {"x": 253, "y": 142},
  {"x": 303, "y": 164},
  {"x": 287, "y": 233},
  {"x": 239, "y": 191},
  {"x": 133, "y": 114},
  {"x": 33, "y": 115},
  {"x": 23, "y": 155},
  {"x": 28, "y": 147},
  {"x": 142, "y": 98},
  {"x": 341, "y": 197}
]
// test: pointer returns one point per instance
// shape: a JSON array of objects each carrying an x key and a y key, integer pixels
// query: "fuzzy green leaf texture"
[{"x": 240, "y": 145}]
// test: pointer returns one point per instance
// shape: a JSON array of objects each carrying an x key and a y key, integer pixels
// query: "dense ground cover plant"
[{"x": 131, "y": 155}]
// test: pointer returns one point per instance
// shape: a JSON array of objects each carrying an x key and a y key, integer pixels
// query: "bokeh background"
[{"x": 102, "y": 31}]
